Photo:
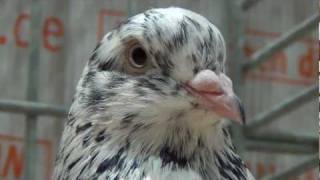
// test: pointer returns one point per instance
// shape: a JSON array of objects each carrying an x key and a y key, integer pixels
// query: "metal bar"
[
  {"x": 30, "y": 146},
  {"x": 295, "y": 170},
  {"x": 26, "y": 107},
  {"x": 129, "y": 8},
  {"x": 278, "y": 110},
  {"x": 280, "y": 137},
  {"x": 276, "y": 147},
  {"x": 282, "y": 42},
  {"x": 236, "y": 25},
  {"x": 247, "y": 4}
]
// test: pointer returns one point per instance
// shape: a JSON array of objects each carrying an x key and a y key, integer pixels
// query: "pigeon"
[{"x": 154, "y": 103}]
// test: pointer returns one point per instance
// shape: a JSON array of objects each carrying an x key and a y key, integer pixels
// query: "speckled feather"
[{"x": 127, "y": 124}]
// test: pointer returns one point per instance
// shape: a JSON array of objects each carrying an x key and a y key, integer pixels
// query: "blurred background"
[{"x": 272, "y": 58}]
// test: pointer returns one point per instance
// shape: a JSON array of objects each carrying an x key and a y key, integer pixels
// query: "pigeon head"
[
  {"x": 151, "y": 104},
  {"x": 159, "y": 78}
]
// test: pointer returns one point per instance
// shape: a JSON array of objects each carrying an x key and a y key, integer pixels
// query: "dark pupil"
[{"x": 139, "y": 56}]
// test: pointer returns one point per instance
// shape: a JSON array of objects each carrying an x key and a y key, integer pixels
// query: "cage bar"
[
  {"x": 295, "y": 170},
  {"x": 248, "y": 4},
  {"x": 284, "y": 41},
  {"x": 35, "y": 108},
  {"x": 276, "y": 147},
  {"x": 286, "y": 106},
  {"x": 281, "y": 137}
]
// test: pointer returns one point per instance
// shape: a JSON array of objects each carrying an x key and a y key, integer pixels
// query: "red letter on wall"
[
  {"x": 3, "y": 40},
  {"x": 14, "y": 160},
  {"x": 17, "y": 28},
  {"x": 307, "y": 67},
  {"x": 53, "y": 27}
]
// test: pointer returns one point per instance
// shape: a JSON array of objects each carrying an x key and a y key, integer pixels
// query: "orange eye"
[{"x": 138, "y": 57}]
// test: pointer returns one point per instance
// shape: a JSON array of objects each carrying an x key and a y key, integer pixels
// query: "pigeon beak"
[{"x": 214, "y": 93}]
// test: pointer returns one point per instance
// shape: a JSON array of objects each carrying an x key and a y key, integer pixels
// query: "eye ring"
[{"x": 138, "y": 57}]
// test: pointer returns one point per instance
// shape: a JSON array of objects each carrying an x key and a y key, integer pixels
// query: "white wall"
[{"x": 79, "y": 21}]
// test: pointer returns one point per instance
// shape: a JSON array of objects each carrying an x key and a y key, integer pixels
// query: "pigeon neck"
[{"x": 175, "y": 141}]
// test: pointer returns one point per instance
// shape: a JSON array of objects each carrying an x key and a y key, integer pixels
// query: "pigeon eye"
[{"x": 138, "y": 57}]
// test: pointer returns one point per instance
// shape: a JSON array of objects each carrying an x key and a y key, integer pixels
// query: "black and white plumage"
[{"x": 151, "y": 105}]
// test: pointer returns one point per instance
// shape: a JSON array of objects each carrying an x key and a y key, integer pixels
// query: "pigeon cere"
[{"x": 153, "y": 103}]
